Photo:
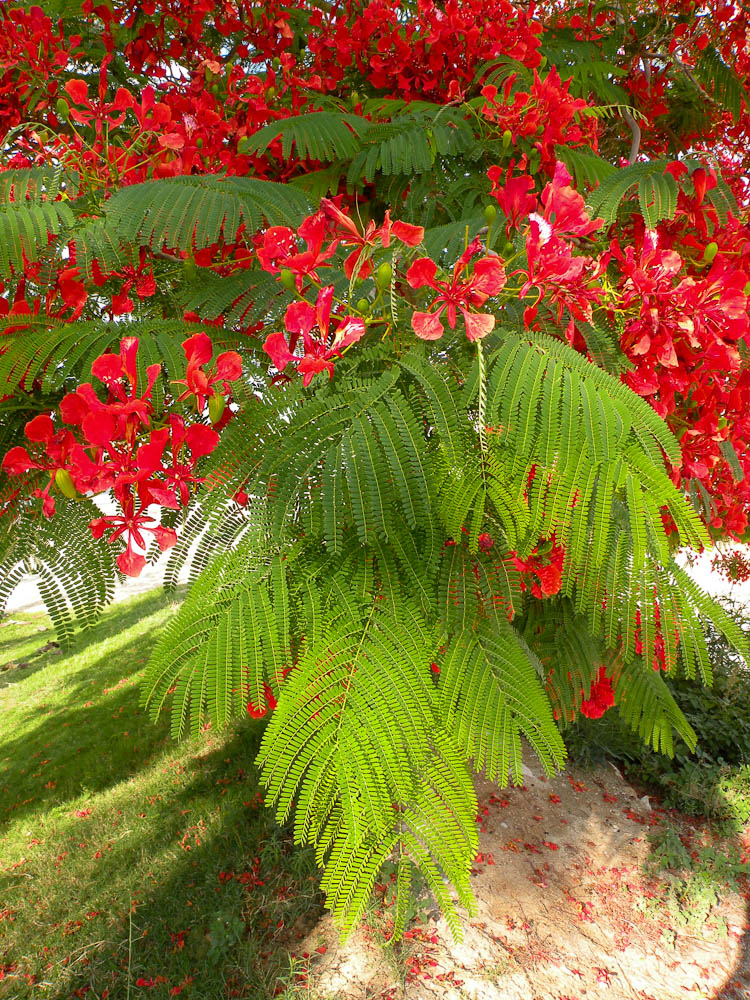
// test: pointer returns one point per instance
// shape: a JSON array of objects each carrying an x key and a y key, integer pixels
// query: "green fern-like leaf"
[
  {"x": 491, "y": 695},
  {"x": 355, "y": 743},
  {"x": 192, "y": 213},
  {"x": 657, "y": 192},
  {"x": 75, "y": 574},
  {"x": 320, "y": 135}
]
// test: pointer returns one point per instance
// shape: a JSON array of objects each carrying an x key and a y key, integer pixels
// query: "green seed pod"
[
  {"x": 384, "y": 275},
  {"x": 63, "y": 109},
  {"x": 710, "y": 252},
  {"x": 507, "y": 138},
  {"x": 216, "y": 406},
  {"x": 287, "y": 279},
  {"x": 363, "y": 305},
  {"x": 65, "y": 485},
  {"x": 490, "y": 214}
]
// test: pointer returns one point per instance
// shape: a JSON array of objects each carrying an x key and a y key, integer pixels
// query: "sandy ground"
[{"x": 560, "y": 893}]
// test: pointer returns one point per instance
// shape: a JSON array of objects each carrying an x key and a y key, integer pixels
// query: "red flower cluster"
[
  {"x": 543, "y": 569},
  {"x": 601, "y": 697},
  {"x": 548, "y": 114},
  {"x": 115, "y": 445}
]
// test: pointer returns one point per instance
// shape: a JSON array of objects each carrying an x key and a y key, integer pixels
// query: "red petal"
[
  {"x": 40, "y": 428},
  {"x": 108, "y": 368},
  {"x": 165, "y": 537},
  {"x": 130, "y": 563},
  {"x": 299, "y": 318},
  {"x": 123, "y": 99},
  {"x": 122, "y": 304},
  {"x": 78, "y": 91},
  {"x": 277, "y": 349},
  {"x": 149, "y": 455},
  {"x": 201, "y": 440},
  {"x": 17, "y": 461},
  {"x": 412, "y": 236},
  {"x": 229, "y": 366},
  {"x": 427, "y": 326},
  {"x": 74, "y": 408},
  {"x": 489, "y": 276},
  {"x": 198, "y": 349},
  {"x": 421, "y": 273},
  {"x": 350, "y": 331},
  {"x": 478, "y": 325},
  {"x": 171, "y": 140},
  {"x": 99, "y": 428}
]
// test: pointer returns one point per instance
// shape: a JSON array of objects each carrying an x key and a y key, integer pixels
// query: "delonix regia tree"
[{"x": 419, "y": 332}]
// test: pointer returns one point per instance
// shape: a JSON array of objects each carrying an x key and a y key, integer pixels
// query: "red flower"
[
  {"x": 278, "y": 249},
  {"x": 300, "y": 320},
  {"x": 259, "y": 710},
  {"x": 515, "y": 197},
  {"x": 601, "y": 697},
  {"x": 132, "y": 523},
  {"x": 199, "y": 351},
  {"x": 488, "y": 278},
  {"x": 346, "y": 232}
]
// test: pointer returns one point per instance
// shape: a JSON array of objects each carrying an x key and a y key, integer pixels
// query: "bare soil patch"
[{"x": 564, "y": 912}]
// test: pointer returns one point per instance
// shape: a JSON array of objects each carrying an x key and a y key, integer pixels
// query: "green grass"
[{"x": 131, "y": 866}]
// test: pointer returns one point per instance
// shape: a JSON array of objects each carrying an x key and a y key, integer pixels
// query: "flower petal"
[
  {"x": 421, "y": 273},
  {"x": 478, "y": 325},
  {"x": 229, "y": 366},
  {"x": 427, "y": 326},
  {"x": 412, "y": 236},
  {"x": 277, "y": 349},
  {"x": 40, "y": 428},
  {"x": 198, "y": 349}
]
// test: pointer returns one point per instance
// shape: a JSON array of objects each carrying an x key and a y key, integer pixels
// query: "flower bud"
[
  {"x": 287, "y": 279},
  {"x": 216, "y": 406},
  {"x": 64, "y": 483},
  {"x": 710, "y": 252},
  {"x": 384, "y": 275},
  {"x": 507, "y": 138},
  {"x": 363, "y": 305},
  {"x": 490, "y": 214},
  {"x": 63, "y": 109}
]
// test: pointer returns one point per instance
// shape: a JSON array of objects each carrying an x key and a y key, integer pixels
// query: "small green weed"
[{"x": 691, "y": 879}]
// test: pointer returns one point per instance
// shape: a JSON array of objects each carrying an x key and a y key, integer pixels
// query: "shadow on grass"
[
  {"x": 98, "y": 736},
  {"x": 200, "y": 909},
  {"x": 176, "y": 876}
]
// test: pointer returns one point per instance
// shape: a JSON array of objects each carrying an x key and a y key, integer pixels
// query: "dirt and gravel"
[{"x": 565, "y": 912}]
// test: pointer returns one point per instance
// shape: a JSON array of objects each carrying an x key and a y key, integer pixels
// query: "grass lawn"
[{"x": 131, "y": 866}]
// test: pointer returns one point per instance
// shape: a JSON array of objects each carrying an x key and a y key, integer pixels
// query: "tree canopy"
[{"x": 419, "y": 332}]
